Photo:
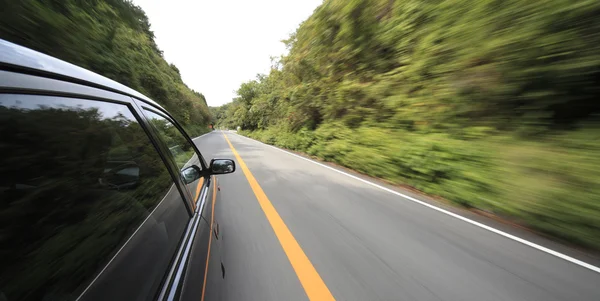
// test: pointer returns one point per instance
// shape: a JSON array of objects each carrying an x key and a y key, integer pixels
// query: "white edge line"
[
  {"x": 472, "y": 222},
  {"x": 202, "y": 135},
  {"x": 125, "y": 244}
]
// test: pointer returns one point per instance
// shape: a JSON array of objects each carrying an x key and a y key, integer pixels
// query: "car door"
[
  {"x": 90, "y": 208},
  {"x": 202, "y": 195}
]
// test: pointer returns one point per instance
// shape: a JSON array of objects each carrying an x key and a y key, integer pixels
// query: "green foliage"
[
  {"x": 491, "y": 104},
  {"x": 110, "y": 37},
  {"x": 430, "y": 65}
]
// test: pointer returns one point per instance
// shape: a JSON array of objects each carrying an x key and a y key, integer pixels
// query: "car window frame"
[
  {"x": 177, "y": 276},
  {"x": 26, "y": 82},
  {"x": 158, "y": 143},
  {"x": 172, "y": 120},
  {"x": 22, "y": 82},
  {"x": 165, "y": 148},
  {"x": 129, "y": 104}
]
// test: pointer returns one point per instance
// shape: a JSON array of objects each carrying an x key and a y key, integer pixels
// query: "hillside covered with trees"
[
  {"x": 110, "y": 37},
  {"x": 489, "y": 104}
]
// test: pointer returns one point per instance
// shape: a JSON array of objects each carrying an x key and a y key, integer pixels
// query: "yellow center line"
[
  {"x": 311, "y": 281},
  {"x": 212, "y": 214}
]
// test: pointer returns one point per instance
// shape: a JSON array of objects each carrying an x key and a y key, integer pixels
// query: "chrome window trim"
[
  {"x": 19, "y": 83},
  {"x": 175, "y": 276}
]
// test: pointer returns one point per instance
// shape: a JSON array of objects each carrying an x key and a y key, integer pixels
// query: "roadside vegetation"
[
  {"x": 110, "y": 37},
  {"x": 489, "y": 104}
]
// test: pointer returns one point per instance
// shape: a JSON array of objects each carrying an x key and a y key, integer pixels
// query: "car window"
[
  {"x": 179, "y": 146},
  {"x": 77, "y": 179}
]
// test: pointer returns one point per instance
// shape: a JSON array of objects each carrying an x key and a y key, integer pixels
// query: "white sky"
[{"x": 217, "y": 45}]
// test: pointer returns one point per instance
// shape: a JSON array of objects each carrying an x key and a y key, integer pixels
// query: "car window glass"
[
  {"x": 179, "y": 146},
  {"x": 77, "y": 178}
]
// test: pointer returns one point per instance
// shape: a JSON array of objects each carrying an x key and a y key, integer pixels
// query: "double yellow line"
[{"x": 311, "y": 281}]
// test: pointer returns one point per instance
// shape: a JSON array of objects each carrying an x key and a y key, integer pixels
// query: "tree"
[{"x": 110, "y": 37}]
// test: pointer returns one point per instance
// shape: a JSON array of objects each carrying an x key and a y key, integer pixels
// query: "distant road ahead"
[{"x": 293, "y": 229}]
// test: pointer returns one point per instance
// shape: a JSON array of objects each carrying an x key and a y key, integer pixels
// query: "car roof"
[{"x": 24, "y": 59}]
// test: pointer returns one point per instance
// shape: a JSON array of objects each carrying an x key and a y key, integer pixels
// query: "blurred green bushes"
[{"x": 110, "y": 37}]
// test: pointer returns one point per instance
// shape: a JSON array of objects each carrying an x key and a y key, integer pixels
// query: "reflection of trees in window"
[
  {"x": 178, "y": 145},
  {"x": 60, "y": 217}
]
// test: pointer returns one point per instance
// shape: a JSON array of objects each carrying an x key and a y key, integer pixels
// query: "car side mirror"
[
  {"x": 191, "y": 174},
  {"x": 221, "y": 166}
]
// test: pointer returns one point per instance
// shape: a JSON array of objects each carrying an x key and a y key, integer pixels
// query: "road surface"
[{"x": 341, "y": 238}]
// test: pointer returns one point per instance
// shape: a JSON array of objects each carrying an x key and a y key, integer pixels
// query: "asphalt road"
[{"x": 366, "y": 243}]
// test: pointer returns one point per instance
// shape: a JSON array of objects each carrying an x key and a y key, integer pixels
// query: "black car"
[{"x": 103, "y": 196}]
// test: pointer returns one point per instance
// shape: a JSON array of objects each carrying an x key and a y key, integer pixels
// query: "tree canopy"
[
  {"x": 490, "y": 104},
  {"x": 110, "y": 37},
  {"x": 433, "y": 64}
]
